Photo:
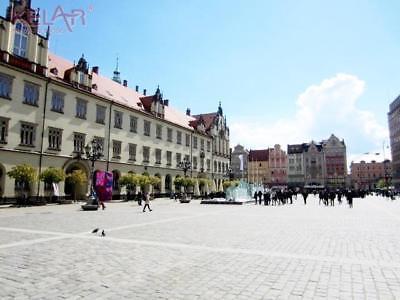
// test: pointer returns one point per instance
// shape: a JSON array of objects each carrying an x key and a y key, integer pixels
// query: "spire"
[
  {"x": 117, "y": 74},
  {"x": 220, "y": 112}
]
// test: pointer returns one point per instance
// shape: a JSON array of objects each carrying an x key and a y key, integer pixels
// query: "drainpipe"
[
  {"x": 42, "y": 136},
  {"x": 191, "y": 154},
  {"x": 109, "y": 136}
]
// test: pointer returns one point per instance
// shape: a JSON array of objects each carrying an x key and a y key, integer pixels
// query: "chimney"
[
  {"x": 95, "y": 70},
  {"x": 166, "y": 102},
  {"x": 125, "y": 83},
  {"x": 144, "y": 92},
  {"x": 188, "y": 112},
  {"x": 137, "y": 89}
]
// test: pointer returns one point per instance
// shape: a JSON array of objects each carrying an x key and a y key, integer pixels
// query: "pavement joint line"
[
  {"x": 337, "y": 260},
  {"x": 64, "y": 235},
  {"x": 60, "y": 236}
]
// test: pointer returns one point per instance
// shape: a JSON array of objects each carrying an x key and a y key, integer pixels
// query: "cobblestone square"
[{"x": 193, "y": 251}]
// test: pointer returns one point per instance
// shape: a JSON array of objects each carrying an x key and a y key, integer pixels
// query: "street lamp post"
[
  {"x": 185, "y": 165},
  {"x": 93, "y": 151}
]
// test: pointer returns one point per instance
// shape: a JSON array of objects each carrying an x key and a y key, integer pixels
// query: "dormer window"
[
  {"x": 21, "y": 39},
  {"x": 81, "y": 78}
]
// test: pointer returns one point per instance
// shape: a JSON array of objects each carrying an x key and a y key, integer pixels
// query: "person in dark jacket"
[{"x": 305, "y": 195}]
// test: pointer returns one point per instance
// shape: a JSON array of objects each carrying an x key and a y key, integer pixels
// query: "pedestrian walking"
[
  {"x": 146, "y": 201},
  {"x": 305, "y": 195}
]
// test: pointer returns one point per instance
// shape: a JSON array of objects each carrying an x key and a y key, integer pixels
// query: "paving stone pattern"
[{"x": 193, "y": 251}]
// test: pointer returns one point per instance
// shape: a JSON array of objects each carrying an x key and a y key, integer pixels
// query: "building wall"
[
  {"x": 259, "y": 172},
  {"x": 365, "y": 175},
  {"x": 235, "y": 162},
  {"x": 277, "y": 166},
  {"x": 394, "y": 130}
]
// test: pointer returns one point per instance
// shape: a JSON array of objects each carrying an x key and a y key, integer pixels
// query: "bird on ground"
[
  {"x": 95, "y": 230},
  {"x": 103, "y": 233}
]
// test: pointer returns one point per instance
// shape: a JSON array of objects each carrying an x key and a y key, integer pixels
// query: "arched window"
[{"x": 21, "y": 39}]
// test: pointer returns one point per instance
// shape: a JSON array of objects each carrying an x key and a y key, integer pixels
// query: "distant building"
[
  {"x": 277, "y": 166},
  {"x": 335, "y": 161},
  {"x": 258, "y": 167},
  {"x": 394, "y": 130},
  {"x": 365, "y": 175},
  {"x": 322, "y": 164},
  {"x": 239, "y": 162}
]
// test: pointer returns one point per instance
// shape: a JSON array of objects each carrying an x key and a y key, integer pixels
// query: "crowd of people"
[{"x": 326, "y": 197}]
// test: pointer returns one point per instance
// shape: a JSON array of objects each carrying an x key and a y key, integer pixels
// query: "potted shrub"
[
  {"x": 51, "y": 176},
  {"x": 130, "y": 181},
  {"x": 188, "y": 184},
  {"x": 25, "y": 176}
]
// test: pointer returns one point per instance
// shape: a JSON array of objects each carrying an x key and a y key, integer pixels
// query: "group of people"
[{"x": 285, "y": 196}]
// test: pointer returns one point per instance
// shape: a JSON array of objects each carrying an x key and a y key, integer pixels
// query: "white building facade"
[{"x": 51, "y": 108}]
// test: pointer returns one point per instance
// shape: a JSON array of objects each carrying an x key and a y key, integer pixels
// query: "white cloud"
[{"x": 329, "y": 107}]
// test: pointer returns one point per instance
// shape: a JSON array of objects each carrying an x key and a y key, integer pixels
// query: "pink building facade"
[{"x": 277, "y": 166}]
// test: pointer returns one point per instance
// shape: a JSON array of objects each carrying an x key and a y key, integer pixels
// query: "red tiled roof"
[
  {"x": 208, "y": 119},
  {"x": 259, "y": 155},
  {"x": 111, "y": 90}
]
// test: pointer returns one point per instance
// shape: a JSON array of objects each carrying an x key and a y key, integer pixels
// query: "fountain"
[{"x": 235, "y": 195}]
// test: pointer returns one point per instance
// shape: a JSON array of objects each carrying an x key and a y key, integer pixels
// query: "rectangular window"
[
  {"x": 187, "y": 138},
  {"x": 116, "y": 149},
  {"x": 3, "y": 130},
  {"x": 81, "y": 108},
  {"x": 55, "y": 138},
  {"x": 57, "y": 102},
  {"x": 194, "y": 162},
  {"x": 208, "y": 165},
  {"x": 178, "y": 159},
  {"x": 118, "y": 117},
  {"x": 28, "y": 134},
  {"x": 158, "y": 156},
  {"x": 179, "y": 137},
  {"x": 194, "y": 142},
  {"x": 159, "y": 131},
  {"x": 169, "y": 158},
  {"x": 169, "y": 135},
  {"x": 79, "y": 142},
  {"x": 187, "y": 157},
  {"x": 146, "y": 127},
  {"x": 208, "y": 146},
  {"x": 100, "y": 114},
  {"x": 202, "y": 144},
  {"x": 146, "y": 154},
  {"x": 133, "y": 124},
  {"x": 100, "y": 142},
  {"x": 5, "y": 86},
  {"x": 31, "y": 94},
  {"x": 132, "y": 152}
]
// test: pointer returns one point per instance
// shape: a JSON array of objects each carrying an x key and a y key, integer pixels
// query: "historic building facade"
[
  {"x": 258, "y": 167},
  {"x": 277, "y": 166},
  {"x": 394, "y": 130},
  {"x": 51, "y": 108},
  {"x": 335, "y": 161},
  {"x": 239, "y": 162},
  {"x": 365, "y": 175},
  {"x": 321, "y": 164}
]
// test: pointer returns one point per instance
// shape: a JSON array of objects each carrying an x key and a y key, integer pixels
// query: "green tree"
[
  {"x": 52, "y": 175},
  {"x": 78, "y": 179},
  {"x": 24, "y": 174}
]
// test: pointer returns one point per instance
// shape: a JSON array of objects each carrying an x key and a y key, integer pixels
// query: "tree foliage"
[
  {"x": 77, "y": 177},
  {"x": 23, "y": 173},
  {"x": 52, "y": 175}
]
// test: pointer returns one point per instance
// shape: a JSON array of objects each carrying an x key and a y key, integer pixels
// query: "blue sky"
[{"x": 285, "y": 71}]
